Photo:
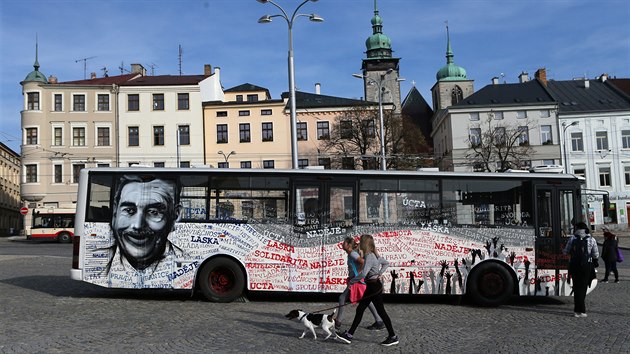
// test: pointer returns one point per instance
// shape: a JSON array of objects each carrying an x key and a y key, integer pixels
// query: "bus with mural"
[
  {"x": 227, "y": 232},
  {"x": 51, "y": 224}
]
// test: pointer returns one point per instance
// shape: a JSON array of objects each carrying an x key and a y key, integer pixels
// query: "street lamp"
[
  {"x": 267, "y": 19},
  {"x": 226, "y": 157},
  {"x": 564, "y": 140},
  {"x": 381, "y": 89}
]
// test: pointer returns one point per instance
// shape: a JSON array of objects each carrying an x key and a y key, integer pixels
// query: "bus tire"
[
  {"x": 64, "y": 237},
  {"x": 221, "y": 280},
  {"x": 490, "y": 284}
]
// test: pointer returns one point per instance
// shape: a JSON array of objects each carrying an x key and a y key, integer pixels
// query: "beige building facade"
[{"x": 10, "y": 218}]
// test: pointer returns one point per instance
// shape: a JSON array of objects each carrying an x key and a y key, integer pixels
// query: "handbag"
[
  {"x": 356, "y": 292},
  {"x": 619, "y": 255}
]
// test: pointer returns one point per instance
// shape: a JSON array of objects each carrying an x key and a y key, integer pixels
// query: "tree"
[
  {"x": 498, "y": 146},
  {"x": 354, "y": 140}
]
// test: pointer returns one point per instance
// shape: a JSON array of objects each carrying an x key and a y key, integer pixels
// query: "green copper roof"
[
  {"x": 378, "y": 45},
  {"x": 451, "y": 71},
  {"x": 35, "y": 75}
]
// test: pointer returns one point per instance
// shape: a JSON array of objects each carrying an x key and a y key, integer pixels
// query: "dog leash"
[{"x": 348, "y": 303}]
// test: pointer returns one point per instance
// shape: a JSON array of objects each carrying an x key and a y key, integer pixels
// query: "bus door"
[
  {"x": 324, "y": 213},
  {"x": 557, "y": 209}
]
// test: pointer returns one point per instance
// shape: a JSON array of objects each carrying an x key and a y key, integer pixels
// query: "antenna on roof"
[
  {"x": 153, "y": 66},
  {"x": 84, "y": 65},
  {"x": 104, "y": 69},
  {"x": 122, "y": 68},
  {"x": 180, "y": 59}
]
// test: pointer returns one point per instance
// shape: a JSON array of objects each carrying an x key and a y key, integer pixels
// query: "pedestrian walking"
[
  {"x": 583, "y": 251},
  {"x": 609, "y": 254}
]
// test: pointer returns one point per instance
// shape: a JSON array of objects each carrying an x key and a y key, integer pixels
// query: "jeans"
[{"x": 373, "y": 294}]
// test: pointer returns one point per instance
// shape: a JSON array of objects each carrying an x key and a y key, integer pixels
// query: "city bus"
[
  {"x": 52, "y": 224},
  {"x": 488, "y": 236}
]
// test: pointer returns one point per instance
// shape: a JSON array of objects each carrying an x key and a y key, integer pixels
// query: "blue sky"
[{"x": 570, "y": 38}]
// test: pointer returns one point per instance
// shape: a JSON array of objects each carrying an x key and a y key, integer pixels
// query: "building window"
[
  {"x": 345, "y": 127},
  {"x": 158, "y": 164},
  {"x": 133, "y": 102},
  {"x": 324, "y": 161},
  {"x": 102, "y": 165},
  {"x": 601, "y": 139},
  {"x": 183, "y": 101},
  {"x": 58, "y": 102},
  {"x": 549, "y": 162},
  {"x": 302, "y": 132},
  {"x": 246, "y": 164},
  {"x": 58, "y": 178},
  {"x": 158, "y": 101},
  {"x": 103, "y": 136},
  {"x": 239, "y": 98},
  {"x": 31, "y": 136},
  {"x": 244, "y": 133},
  {"x": 456, "y": 95},
  {"x": 577, "y": 142},
  {"x": 31, "y": 173},
  {"x": 521, "y": 114},
  {"x": 78, "y": 103},
  {"x": 78, "y": 136},
  {"x": 76, "y": 170},
  {"x": 625, "y": 139},
  {"x": 252, "y": 98},
  {"x": 347, "y": 163},
  {"x": 222, "y": 133},
  {"x": 474, "y": 116},
  {"x": 221, "y": 113},
  {"x": 604, "y": 177},
  {"x": 32, "y": 103},
  {"x": 103, "y": 102},
  {"x": 268, "y": 164},
  {"x": 580, "y": 172},
  {"x": 267, "y": 131},
  {"x": 523, "y": 137},
  {"x": 247, "y": 207},
  {"x": 302, "y": 163},
  {"x": 545, "y": 135},
  {"x": 265, "y": 112},
  {"x": 499, "y": 135},
  {"x": 223, "y": 164},
  {"x": 158, "y": 135},
  {"x": 323, "y": 131},
  {"x": 184, "y": 135},
  {"x": 369, "y": 128},
  {"x": 626, "y": 173},
  {"x": 498, "y": 115},
  {"x": 57, "y": 136},
  {"x": 184, "y": 164},
  {"x": 474, "y": 137},
  {"x": 545, "y": 113},
  {"x": 134, "y": 136},
  {"x": 243, "y": 113}
]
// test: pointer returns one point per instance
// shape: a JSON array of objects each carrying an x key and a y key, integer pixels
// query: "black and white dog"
[{"x": 312, "y": 320}]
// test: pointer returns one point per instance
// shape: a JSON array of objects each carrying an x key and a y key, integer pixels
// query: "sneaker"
[
  {"x": 616, "y": 280},
  {"x": 578, "y": 314},
  {"x": 344, "y": 337},
  {"x": 377, "y": 326},
  {"x": 390, "y": 341}
]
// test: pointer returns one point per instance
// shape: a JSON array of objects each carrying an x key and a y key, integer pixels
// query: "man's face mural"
[{"x": 144, "y": 216}]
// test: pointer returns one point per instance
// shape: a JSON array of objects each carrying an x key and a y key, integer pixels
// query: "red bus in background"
[{"x": 52, "y": 224}]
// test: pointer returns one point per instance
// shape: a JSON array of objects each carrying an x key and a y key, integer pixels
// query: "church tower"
[
  {"x": 380, "y": 66},
  {"x": 452, "y": 84}
]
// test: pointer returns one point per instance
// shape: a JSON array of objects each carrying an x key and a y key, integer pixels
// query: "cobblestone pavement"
[{"x": 43, "y": 311}]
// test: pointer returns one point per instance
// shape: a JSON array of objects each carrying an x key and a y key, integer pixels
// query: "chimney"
[
  {"x": 217, "y": 72},
  {"x": 318, "y": 88},
  {"x": 602, "y": 78},
  {"x": 587, "y": 84},
  {"x": 92, "y": 76},
  {"x": 523, "y": 77},
  {"x": 541, "y": 74},
  {"x": 207, "y": 70},
  {"x": 495, "y": 80},
  {"x": 52, "y": 79},
  {"x": 138, "y": 69}
]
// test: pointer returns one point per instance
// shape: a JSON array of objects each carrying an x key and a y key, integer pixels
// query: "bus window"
[
  {"x": 342, "y": 206},
  {"x": 99, "y": 195},
  {"x": 194, "y": 197},
  {"x": 567, "y": 212}
]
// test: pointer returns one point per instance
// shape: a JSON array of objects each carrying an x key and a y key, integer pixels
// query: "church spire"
[
  {"x": 36, "y": 64},
  {"x": 449, "y": 51},
  {"x": 378, "y": 45},
  {"x": 36, "y": 75},
  {"x": 451, "y": 71}
]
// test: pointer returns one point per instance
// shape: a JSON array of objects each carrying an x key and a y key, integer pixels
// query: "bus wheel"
[
  {"x": 490, "y": 284},
  {"x": 64, "y": 237},
  {"x": 221, "y": 280}
]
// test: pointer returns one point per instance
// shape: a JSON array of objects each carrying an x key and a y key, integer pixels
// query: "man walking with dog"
[{"x": 355, "y": 263}]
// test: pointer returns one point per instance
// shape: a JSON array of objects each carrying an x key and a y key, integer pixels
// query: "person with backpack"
[
  {"x": 609, "y": 254},
  {"x": 582, "y": 248},
  {"x": 355, "y": 263}
]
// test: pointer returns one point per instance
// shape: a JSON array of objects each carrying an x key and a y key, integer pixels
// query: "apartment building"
[{"x": 10, "y": 218}]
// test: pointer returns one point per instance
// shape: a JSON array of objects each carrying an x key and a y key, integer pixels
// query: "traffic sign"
[{"x": 23, "y": 210}]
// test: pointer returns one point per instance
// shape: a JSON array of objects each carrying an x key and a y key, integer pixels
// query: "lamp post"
[
  {"x": 564, "y": 140},
  {"x": 226, "y": 157},
  {"x": 284, "y": 15},
  {"x": 379, "y": 85}
]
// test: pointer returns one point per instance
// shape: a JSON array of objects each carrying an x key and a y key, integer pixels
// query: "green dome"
[
  {"x": 35, "y": 75},
  {"x": 378, "y": 41},
  {"x": 378, "y": 45},
  {"x": 376, "y": 20},
  {"x": 451, "y": 72}
]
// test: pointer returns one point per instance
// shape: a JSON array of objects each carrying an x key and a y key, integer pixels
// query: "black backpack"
[{"x": 580, "y": 255}]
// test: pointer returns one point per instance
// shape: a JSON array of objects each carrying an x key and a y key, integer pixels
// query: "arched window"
[{"x": 456, "y": 95}]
